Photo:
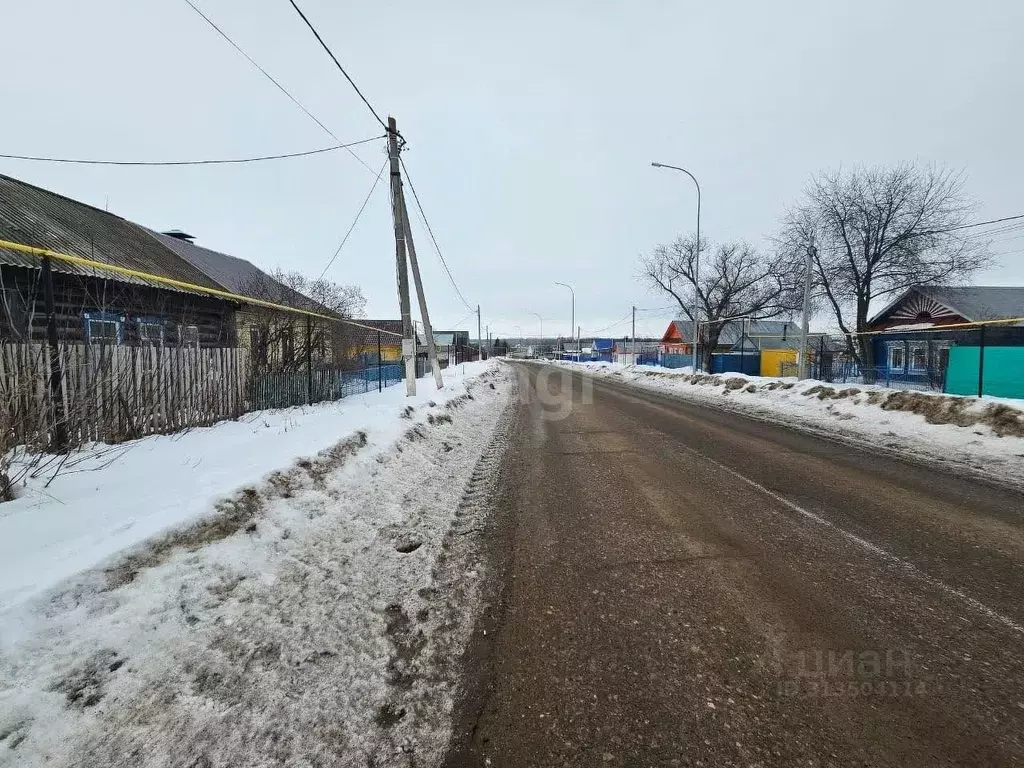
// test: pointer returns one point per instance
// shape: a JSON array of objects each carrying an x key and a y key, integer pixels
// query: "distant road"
[{"x": 687, "y": 586}]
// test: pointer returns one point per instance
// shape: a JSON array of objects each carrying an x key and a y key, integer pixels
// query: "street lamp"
[
  {"x": 572, "y": 328},
  {"x": 696, "y": 265},
  {"x": 541, "y": 325}
]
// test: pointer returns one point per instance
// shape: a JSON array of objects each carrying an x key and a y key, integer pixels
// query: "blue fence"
[
  {"x": 287, "y": 389},
  {"x": 733, "y": 362},
  {"x": 675, "y": 361}
]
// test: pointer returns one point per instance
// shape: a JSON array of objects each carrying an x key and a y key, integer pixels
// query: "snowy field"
[
  {"x": 215, "y": 599},
  {"x": 992, "y": 447}
]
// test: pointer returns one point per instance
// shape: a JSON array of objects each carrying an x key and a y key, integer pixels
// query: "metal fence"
[
  {"x": 283, "y": 390},
  {"x": 978, "y": 360}
]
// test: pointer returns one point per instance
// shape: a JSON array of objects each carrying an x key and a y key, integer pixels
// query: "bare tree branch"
[
  {"x": 880, "y": 231},
  {"x": 734, "y": 280}
]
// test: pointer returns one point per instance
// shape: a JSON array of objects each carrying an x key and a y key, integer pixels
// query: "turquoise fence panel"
[{"x": 1004, "y": 371}]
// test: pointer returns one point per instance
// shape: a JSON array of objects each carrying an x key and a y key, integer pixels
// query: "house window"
[
  {"x": 189, "y": 336},
  {"x": 918, "y": 357},
  {"x": 151, "y": 331},
  {"x": 897, "y": 357},
  {"x": 104, "y": 328},
  {"x": 258, "y": 344},
  {"x": 287, "y": 346}
]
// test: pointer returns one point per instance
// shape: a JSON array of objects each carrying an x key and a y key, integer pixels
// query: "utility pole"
[
  {"x": 805, "y": 329},
  {"x": 428, "y": 331},
  {"x": 634, "y": 334},
  {"x": 408, "y": 334},
  {"x": 479, "y": 337}
]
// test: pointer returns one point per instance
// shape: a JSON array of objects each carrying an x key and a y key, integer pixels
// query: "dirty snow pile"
[
  {"x": 210, "y": 599},
  {"x": 984, "y": 436}
]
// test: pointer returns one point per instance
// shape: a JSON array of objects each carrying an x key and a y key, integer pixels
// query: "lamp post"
[
  {"x": 573, "y": 326},
  {"x": 696, "y": 265},
  {"x": 541, "y": 319}
]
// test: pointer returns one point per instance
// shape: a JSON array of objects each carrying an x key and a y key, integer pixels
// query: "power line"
[
  {"x": 355, "y": 220},
  {"x": 926, "y": 233},
  {"x": 433, "y": 239},
  {"x": 337, "y": 63},
  {"x": 620, "y": 322},
  {"x": 976, "y": 224},
  {"x": 164, "y": 163},
  {"x": 464, "y": 319},
  {"x": 270, "y": 77}
]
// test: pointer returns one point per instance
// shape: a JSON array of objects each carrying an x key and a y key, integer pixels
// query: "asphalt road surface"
[{"x": 686, "y": 586}]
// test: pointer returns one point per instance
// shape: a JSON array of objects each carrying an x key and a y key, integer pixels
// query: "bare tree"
[
  {"x": 735, "y": 280},
  {"x": 879, "y": 231},
  {"x": 279, "y": 338}
]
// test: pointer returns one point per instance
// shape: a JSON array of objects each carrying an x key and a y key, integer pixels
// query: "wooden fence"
[{"x": 115, "y": 393}]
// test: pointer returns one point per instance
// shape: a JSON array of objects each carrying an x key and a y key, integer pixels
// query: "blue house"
[{"x": 920, "y": 339}]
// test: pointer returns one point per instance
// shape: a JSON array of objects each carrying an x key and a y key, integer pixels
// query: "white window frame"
[
  {"x": 118, "y": 326},
  {"x": 145, "y": 328},
  {"x": 184, "y": 331},
  {"x": 918, "y": 346},
  {"x": 903, "y": 354}
]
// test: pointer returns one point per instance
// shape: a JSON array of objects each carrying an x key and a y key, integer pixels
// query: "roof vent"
[{"x": 177, "y": 234}]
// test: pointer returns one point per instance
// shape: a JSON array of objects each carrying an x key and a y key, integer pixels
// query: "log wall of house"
[{"x": 23, "y": 315}]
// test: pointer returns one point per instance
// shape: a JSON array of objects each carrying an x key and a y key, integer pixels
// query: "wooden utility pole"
[
  {"x": 805, "y": 328},
  {"x": 479, "y": 340},
  {"x": 408, "y": 332},
  {"x": 428, "y": 331},
  {"x": 634, "y": 334}
]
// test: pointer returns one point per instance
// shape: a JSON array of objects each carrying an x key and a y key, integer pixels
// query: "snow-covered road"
[{"x": 293, "y": 618}]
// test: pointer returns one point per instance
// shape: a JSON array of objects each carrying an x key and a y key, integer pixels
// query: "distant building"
[
  {"x": 749, "y": 335},
  {"x": 451, "y": 338},
  {"x": 362, "y": 342}
]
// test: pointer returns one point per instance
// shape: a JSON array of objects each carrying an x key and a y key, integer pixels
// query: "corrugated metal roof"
[
  {"x": 977, "y": 302},
  {"x": 972, "y": 302},
  {"x": 236, "y": 275},
  {"x": 36, "y": 217}
]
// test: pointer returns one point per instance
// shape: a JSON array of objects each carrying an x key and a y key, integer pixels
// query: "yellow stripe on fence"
[{"x": 83, "y": 262}]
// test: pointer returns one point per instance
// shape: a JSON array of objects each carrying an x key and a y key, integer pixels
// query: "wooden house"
[
  {"x": 93, "y": 305},
  {"x": 914, "y": 335},
  {"x": 361, "y": 344},
  {"x": 275, "y": 339}
]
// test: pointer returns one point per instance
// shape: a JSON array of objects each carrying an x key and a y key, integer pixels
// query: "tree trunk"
[
  {"x": 710, "y": 344},
  {"x": 865, "y": 349}
]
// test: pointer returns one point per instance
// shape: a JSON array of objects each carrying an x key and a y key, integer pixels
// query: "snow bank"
[
  {"x": 302, "y": 617},
  {"x": 111, "y": 497},
  {"x": 984, "y": 436}
]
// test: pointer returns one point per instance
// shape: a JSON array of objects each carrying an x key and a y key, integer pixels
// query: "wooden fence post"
[
  {"x": 59, "y": 437},
  {"x": 309, "y": 359},
  {"x": 981, "y": 362}
]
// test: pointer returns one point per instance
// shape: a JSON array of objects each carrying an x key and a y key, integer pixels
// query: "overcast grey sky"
[{"x": 531, "y": 127}]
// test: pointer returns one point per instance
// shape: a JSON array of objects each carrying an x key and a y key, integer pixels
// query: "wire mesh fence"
[
  {"x": 986, "y": 359},
  {"x": 967, "y": 359}
]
